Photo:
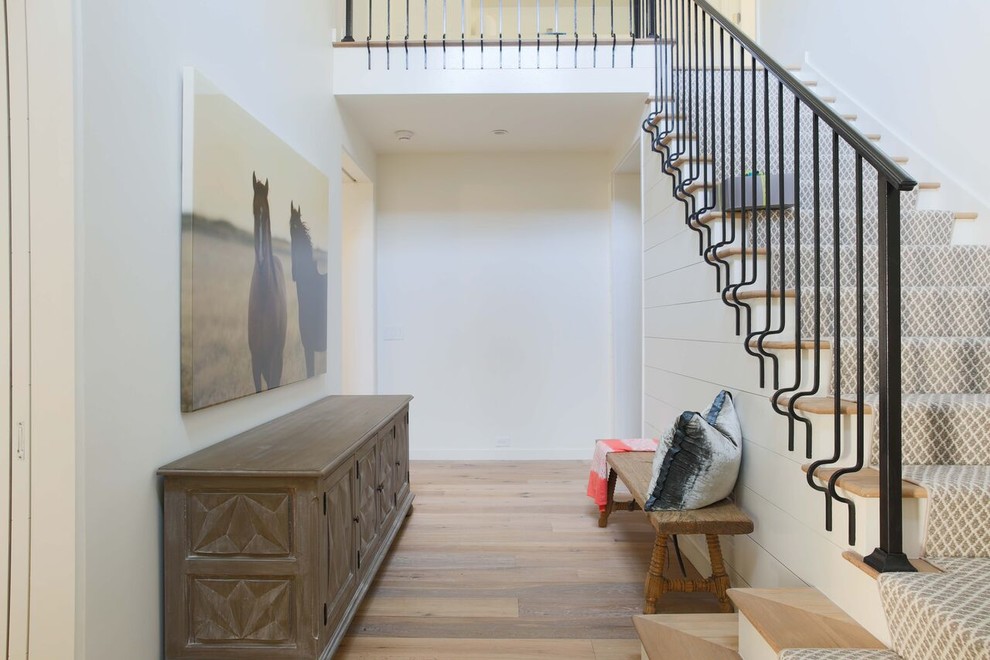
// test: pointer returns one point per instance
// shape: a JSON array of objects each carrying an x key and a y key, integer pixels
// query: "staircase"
[{"x": 863, "y": 319}]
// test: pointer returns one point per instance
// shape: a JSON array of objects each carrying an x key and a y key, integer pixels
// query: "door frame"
[{"x": 42, "y": 63}]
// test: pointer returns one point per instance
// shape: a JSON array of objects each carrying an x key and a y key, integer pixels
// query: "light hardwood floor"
[{"x": 506, "y": 560}]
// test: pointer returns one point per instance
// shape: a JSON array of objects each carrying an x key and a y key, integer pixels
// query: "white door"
[{"x": 15, "y": 352}]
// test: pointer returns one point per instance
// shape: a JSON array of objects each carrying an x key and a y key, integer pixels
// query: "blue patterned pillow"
[{"x": 697, "y": 460}]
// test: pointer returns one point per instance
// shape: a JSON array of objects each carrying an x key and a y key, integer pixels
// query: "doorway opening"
[{"x": 358, "y": 282}]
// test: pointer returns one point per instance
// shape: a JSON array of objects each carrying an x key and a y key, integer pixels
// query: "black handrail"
[{"x": 893, "y": 172}]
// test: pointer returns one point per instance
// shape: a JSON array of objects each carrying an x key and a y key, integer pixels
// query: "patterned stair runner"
[{"x": 940, "y": 616}]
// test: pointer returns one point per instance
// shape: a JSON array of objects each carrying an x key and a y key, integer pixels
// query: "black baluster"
[
  {"x": 860, "y": 350},
  {"x": 611, "y": 6},
  {"x": 348, "y": 21},
  {"x": 798, "y": 293},
  {"x": 830, "y": 493},
  {"x": 594, "y": 36}
]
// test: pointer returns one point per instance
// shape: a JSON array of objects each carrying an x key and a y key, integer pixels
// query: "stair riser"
[
  {"x": 937, "y": 365},
  {"x": 949, "y": 266},
  {"x": 957, "y": 428},
  {"x": 923, "y": 369},
  {"x": 921, "y": 227},
  {"x": 924, "y": 312}
]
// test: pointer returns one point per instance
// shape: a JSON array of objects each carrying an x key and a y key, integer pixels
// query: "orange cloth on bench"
[{"x": 598, "y": 480}]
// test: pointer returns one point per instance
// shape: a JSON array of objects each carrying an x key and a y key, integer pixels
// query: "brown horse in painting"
[
  {"x": 266, "y": 306},
  {"x": 311, "y": 290}
]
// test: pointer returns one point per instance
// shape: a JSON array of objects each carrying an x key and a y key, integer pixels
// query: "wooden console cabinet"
[{"x": 273, "y": 537}]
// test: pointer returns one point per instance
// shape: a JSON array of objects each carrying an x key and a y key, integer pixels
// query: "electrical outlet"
[{"x": 503, "y": 442}]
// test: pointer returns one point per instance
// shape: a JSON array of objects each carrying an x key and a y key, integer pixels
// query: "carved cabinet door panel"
[
  {"x": 366, "y": 510},
  {"x": 339, "y": 565},
  {"x": 386, "y": 472}
]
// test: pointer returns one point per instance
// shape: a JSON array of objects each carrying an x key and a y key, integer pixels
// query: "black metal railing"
[
  {"x": 501, "y": 25},
  {"x": 785, "y": 197}
]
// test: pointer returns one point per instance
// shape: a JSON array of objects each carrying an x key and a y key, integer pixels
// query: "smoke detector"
[{"x": 404, "y": 136}]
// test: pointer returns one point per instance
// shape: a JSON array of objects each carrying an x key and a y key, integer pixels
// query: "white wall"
[
  {"x": 493, "y": 276},
  {"x": 274, "y": 59},
  {"x": 627, "y": 312},
  {"x": 929, "y": 92}
]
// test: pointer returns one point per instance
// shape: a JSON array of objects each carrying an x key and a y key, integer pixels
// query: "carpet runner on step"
[{"x": 940, "y": 616}]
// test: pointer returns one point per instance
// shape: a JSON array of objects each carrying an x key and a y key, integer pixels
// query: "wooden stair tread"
[
  {"x": 693, "y": 159},
  {"x": 727, "y": 251},
  {"x": 664, "y": 115},
  {"x": 866, "y": 483},
  {"x": 751, "y": 294},
  {"x": 965, "y": 216},
  {"x": 679, "y": 136},
  {"x": 929, "y": 185},
  {"x": 856, "y": 560},
  {"x": 783, "y": 345},
  {"x": 689, "y": 636},
  {"x": 712, "y": 216},
  {"x": 850, "y": 117},
  {"x": 801, "y": 618},
  {"x": 824, "y": 405},
  {"x": 699, "y": 185}
]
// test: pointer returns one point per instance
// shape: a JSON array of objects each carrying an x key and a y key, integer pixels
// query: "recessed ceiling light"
[
  {"x": 500, "y": 131},
  {"x": 404, "y": 136}
]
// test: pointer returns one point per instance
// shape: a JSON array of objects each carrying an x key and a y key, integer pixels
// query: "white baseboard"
[{"x": 583, "y": 454}]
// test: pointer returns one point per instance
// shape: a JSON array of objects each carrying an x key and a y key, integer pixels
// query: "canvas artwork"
[{"x": 254, "y": 254}]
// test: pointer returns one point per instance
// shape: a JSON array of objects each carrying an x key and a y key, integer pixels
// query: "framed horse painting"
[{"x": 254, "y": 253}]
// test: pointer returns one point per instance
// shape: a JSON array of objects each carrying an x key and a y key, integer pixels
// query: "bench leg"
[
  {"x": 610, "y": 500},
  {"x": 720, "y": 579},
  {"x": 655, "y": 583}
]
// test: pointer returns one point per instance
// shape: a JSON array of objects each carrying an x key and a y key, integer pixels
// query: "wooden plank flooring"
[{"x": 505, "y": 560}]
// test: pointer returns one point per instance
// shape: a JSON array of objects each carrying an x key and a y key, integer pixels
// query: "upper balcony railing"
[{"x": 498, "y": 24}]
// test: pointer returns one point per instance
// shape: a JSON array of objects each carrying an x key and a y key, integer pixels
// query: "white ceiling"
[{"x": 464, "y": 122}]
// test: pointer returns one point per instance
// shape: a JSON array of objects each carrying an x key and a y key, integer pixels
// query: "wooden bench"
[{"x": 635, "y": 469}]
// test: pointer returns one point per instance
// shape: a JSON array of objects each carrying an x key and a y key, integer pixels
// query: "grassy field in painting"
[{"x": 216, "y": 360}]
